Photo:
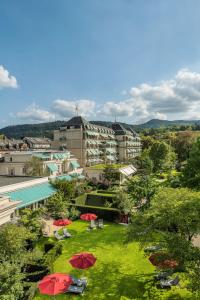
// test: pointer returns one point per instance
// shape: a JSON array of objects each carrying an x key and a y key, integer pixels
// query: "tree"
[
  {"x": 147, "y": 142},
  {"x": 182, "y": 144},
  {"x": 141, "y": 189},
  {"x": 162, "y": 155},
  {"x": 34, "y": 167},
  {"x": 174, "y": 217},
  {"x": 123, "y": 202},
  {"x": 57, "y": 206},
  {"x": 191, "y": 172},
  {"x": 111, "y": 174},
  {"x": 31, "y": 219},
  {"x": 143, "y": 163},
  {"x": 11, "y": 281},
  {"x": 65, "y": 187},
  {"x": 13, "y": 241}
]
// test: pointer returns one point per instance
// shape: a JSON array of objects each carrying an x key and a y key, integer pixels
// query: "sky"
[{"x": 130, "y": 59}]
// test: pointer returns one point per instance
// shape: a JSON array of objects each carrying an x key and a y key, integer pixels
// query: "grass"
[
  {"x": 122, "y": 272},
  {"x": 102, "y": 166}
]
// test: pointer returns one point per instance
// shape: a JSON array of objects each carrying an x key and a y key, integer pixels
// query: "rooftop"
[{"x": 7, "y": 180}]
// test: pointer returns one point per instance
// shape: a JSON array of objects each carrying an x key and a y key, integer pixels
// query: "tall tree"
[
  {"x": 174, "y": 217},
  {"x": 11, "y": 281},
  {"x": 141, "y": 189},
  {"x": 182, "y": 144},
  {"x": 191, "y": 172},
  {"x": 57, "y": 206},
  {"x": 13, "y": 241},
  {"x": 34, "y": 167},
  {"x": 162, "y": 155}
]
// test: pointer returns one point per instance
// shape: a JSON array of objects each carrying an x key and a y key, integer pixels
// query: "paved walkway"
[{"x": 49, "y": 228}]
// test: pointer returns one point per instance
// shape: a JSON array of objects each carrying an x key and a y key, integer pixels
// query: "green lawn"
[{"x": 121, "y": 272}]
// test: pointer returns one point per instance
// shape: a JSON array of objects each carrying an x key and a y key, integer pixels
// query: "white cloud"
[
  {"x": 176, "y": 98},
  {"x": 66, "y": 109},
  {"x": 173, "y": 99},
  {"x": 7, "y": 80},
  {"x": 34, "y": 113}
]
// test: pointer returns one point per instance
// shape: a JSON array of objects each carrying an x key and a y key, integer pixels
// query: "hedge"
[{"x": 107, "y": 213}]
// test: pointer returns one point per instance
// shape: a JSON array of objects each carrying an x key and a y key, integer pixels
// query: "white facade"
[
  {"x": 14, "y": 163},
  {"x": 7, "y": 209}
]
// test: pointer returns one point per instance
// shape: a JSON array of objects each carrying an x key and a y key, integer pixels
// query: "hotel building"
[{"x": 93, "y": 144}]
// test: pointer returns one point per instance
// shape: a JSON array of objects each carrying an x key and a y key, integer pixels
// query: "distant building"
[
  {"x": 14, "y": 163},
  {"x": 35, "y": 143},
  {"x": 92, "y": 144}
]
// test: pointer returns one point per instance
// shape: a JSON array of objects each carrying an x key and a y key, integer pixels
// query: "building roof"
[
  {"x": 119, "y": 129},
  {"x": 36, "y": 140},
  {"x": 32, "y": 194},
  {"x": 7, "y": 180},
  {"x": 78, "y": 120}
]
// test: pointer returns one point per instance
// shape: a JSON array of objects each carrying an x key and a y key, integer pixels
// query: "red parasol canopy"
[
  {"x": 62, "y": 222},
  {"x": 163, "y": 261},
  {"x": 83, "y": 260},
  {"x": 54, "y": 284},
  {"x": 88, "y": 217}
]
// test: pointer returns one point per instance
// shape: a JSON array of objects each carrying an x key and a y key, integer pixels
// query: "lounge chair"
[
  {"x": 79, "y": 282},
  {"x": 66, "y": 233},
  {"x": 92, "y": 225},
  {"x": 152, "y": 248},
  {"x": 75, "y": 289},
  {"x": 169, "y": 282},
  {"x": 100, "y": 223},
  {"x": 163, "y": 275},
  {"x": 57, "y": 236}
]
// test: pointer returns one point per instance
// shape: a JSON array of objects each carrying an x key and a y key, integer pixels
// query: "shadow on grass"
[{"x": 108, "y": 282}]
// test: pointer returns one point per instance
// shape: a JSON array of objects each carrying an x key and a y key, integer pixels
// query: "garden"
[{"x": 122, "y": 271}]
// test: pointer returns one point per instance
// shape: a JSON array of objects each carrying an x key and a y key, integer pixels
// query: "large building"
[
  {"x": 93, "y": 144},
  {"x": 15, "y": 163}
]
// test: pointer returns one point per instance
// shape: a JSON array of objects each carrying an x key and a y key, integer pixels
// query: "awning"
[
  {"x": 110, "y": 157},
  {"x": 52, "y": 167},
  {"x": 111, "y": 150},
  {"x": 92, "y": 133},
  {"x": 74, "y": 164},
  {"x": 127, "y": 171},
  {"x": 65, "y": 177}
]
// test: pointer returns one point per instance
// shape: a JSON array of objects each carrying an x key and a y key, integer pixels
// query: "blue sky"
[{"x": 136, "y": 59}]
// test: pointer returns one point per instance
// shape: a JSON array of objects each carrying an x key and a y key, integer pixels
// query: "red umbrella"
[
  {"x": 163, "y": 261},
  {"x": 83, "y": 260},
  {"x": 54, "y": 284},
  {"x": 62, "y": 222},
  {"x": 88, "y": 217}
]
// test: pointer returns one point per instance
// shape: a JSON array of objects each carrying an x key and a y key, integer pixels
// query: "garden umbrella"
[
  {"x": 54, "y": 284},
  {"x": 88, "y": 217},
  {"x": 62, "y": 222},
  {"x": 82, "y": 260},
  {"x": 163, "y": 261}
]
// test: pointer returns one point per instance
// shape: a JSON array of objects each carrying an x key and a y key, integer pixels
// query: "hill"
[{"x": 46, "y": 129}]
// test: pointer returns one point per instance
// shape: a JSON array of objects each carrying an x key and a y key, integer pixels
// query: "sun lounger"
[
  {"x": 100, "y": 223},
  {"x": 79, "y": 282},
  {"x": 163, "y": 275},
  {"x": 169, "y": 282},
  {"x": 92, "y": 225},
  {"x": 75, "y": 289},
  {"x": 152, "y": 248},
  {"x": 57, "y": 236},
  {"x": 66, "y": 233}
]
